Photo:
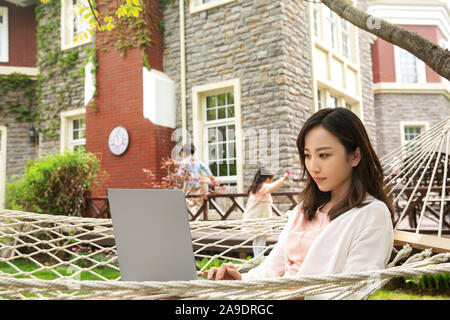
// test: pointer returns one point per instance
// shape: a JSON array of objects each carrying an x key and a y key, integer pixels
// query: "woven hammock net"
[{"x": 58, "y": 257}]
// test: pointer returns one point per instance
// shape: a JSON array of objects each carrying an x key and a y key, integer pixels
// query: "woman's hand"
[{"x": 227, "y": 271}]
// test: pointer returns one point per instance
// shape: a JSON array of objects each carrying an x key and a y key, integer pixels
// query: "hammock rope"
[{"x": 79, "y": 255}]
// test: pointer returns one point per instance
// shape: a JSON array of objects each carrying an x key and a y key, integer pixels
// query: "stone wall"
[
  {"x": 62, "y": 84},
  {"x": 19, "y": 147},
  {"x": 365, "y": 62},
  {"x": 392, "y": 108}
]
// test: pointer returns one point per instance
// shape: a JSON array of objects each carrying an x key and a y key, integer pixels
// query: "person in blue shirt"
[{"x": 191, "y": 169}]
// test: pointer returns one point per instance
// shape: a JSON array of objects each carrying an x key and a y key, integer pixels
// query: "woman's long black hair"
[
  {"x": 367, "y": 176},
  {"x": 260, "y": 177}
]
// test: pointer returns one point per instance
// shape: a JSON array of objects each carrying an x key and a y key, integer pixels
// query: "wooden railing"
[{"x": 98, "y": 207}]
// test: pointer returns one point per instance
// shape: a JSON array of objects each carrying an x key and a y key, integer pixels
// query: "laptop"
[{"x": 152, "y": 234}]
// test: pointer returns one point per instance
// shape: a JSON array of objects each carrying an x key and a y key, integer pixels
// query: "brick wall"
[
  {"x": 393, "y": 108},
  {"x": 22, "y": 36}
]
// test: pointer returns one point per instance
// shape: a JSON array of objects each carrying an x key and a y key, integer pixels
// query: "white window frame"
[
  {"x": 4, "y": 34},
  {"x": 420, "y": 67},
  {"x": 342, "y": 101},
  {"x": 200, "y": 137},
  {"x": 403, "y": 124},
  {"x": 3, "y": 150},
  {"x": 208, "y": 124},
  {"x": 198, "y": 5},
  {"x": 67, "y": 118},
  {"x": 67, "y": 27}
]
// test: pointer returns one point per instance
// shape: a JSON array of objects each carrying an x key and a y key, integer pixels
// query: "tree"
[{"x": 436, "y": 57}]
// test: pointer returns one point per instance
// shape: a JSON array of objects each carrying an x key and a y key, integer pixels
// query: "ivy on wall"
[
  {"x": 21, "y": 109},
  {"x": 67, "y": 67},
  {"x": 61, "y": 76}
]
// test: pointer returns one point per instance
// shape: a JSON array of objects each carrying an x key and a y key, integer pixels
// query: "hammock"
[{"x": 58, "y": 257}]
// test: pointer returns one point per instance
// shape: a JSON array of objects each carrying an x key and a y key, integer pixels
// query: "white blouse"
[{"x": 359, "y": 240}]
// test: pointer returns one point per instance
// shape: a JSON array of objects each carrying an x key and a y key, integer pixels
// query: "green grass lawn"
[
  {"x": 399, "y": 294},
  {"x": 109, "y": 273},
  {"x": 29, "y": 267}
]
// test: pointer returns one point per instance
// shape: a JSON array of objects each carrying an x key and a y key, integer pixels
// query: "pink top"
[
  {"x": 300, "y": 238},
  {"x": 264, "y": 192}
]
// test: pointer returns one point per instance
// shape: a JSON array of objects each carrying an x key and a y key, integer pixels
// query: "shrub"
[{"x": 55, "y": 184}]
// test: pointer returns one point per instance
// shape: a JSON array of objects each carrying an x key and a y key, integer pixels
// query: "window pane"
[
  {"x": 231, "y": 150},
  {"x": 231, "y": 112},
  {"x": 221, "y": 100},
  {"x": 223, "y": 150},
  {"x": 333, "y": 102},
  {"x": 222, "y": 133},
  {"x": 223, "y": 170},
  {"x": 230, "y": 98},
  {"x": 319, "y": 99},
  {"x": 412, "y": 132},
  {"x": 222, "y": 113},
  {"x": 408, "y": 67},
  {"x": 232, "y": 167},
  {"x": 211, "y": 101},
  {"x": 212, "y": 135},
  {"x": 213, "y": 168},
  {"x": 211, "y": 114}
]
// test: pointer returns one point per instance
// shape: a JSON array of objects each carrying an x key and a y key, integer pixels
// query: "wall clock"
[{"x": 118, "y": 140}]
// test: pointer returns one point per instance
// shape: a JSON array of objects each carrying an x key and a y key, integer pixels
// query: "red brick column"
[{"x": 120, "y": 103}]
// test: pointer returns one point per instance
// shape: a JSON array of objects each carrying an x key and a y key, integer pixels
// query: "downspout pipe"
[{"x": 183, "y": 73}]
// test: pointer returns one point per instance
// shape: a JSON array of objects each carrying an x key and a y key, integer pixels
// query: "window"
[
  {"x": 333, "y": 102},
  {"x": 202, "y": 5},
  {"x": 412, "y": 132},
  {"x": 409, "y": 131},
  {"x": 320, "y": 104},
  {"x": 77, "y": 131},
  {"x": 75, "y": 30},
  {"x": 332, "y": 25},
  {"x": 332, "y": 99},
  {"x": 316, "y": 19},
  {"x": 220, "y": 129},
  {"x": 217, "y": 133},
  {"x": 408, "y": 68},
  {"x": 345, "y": 38},
  {"x": 4, "y": 45},
  {"x": 73, "y": 129},
  {"x": 338, "y": 33}
]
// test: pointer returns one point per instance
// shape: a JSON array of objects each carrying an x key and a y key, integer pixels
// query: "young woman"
[
  {"x": 259, "y": 204},
  {"x": 344, "y": 220}
]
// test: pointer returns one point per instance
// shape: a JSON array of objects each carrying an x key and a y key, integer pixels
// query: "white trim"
[
  {"x": 424, "y": 124},
  {"x": 29, "y": 71},
  {"x": 197, "y": 5},
  {"x": 66, "y": 118},
  {"x": 420, "y": 67},
  {"x": 67, "y": 41},
  {"x": 199, "y": 93},
  {"x": 3, "y": 155},
  {"x": 351, "y": 63},
  {"x": 4, "y": 53},
  {"x": 410, "y": 12},
  {"x": 419, "y": 88}
]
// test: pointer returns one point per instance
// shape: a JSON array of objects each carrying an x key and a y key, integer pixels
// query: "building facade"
[
  {"x": 238, "y": 78},
  {"x": 254, "y": 72},
  {"x": 409, "y": 96}
]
